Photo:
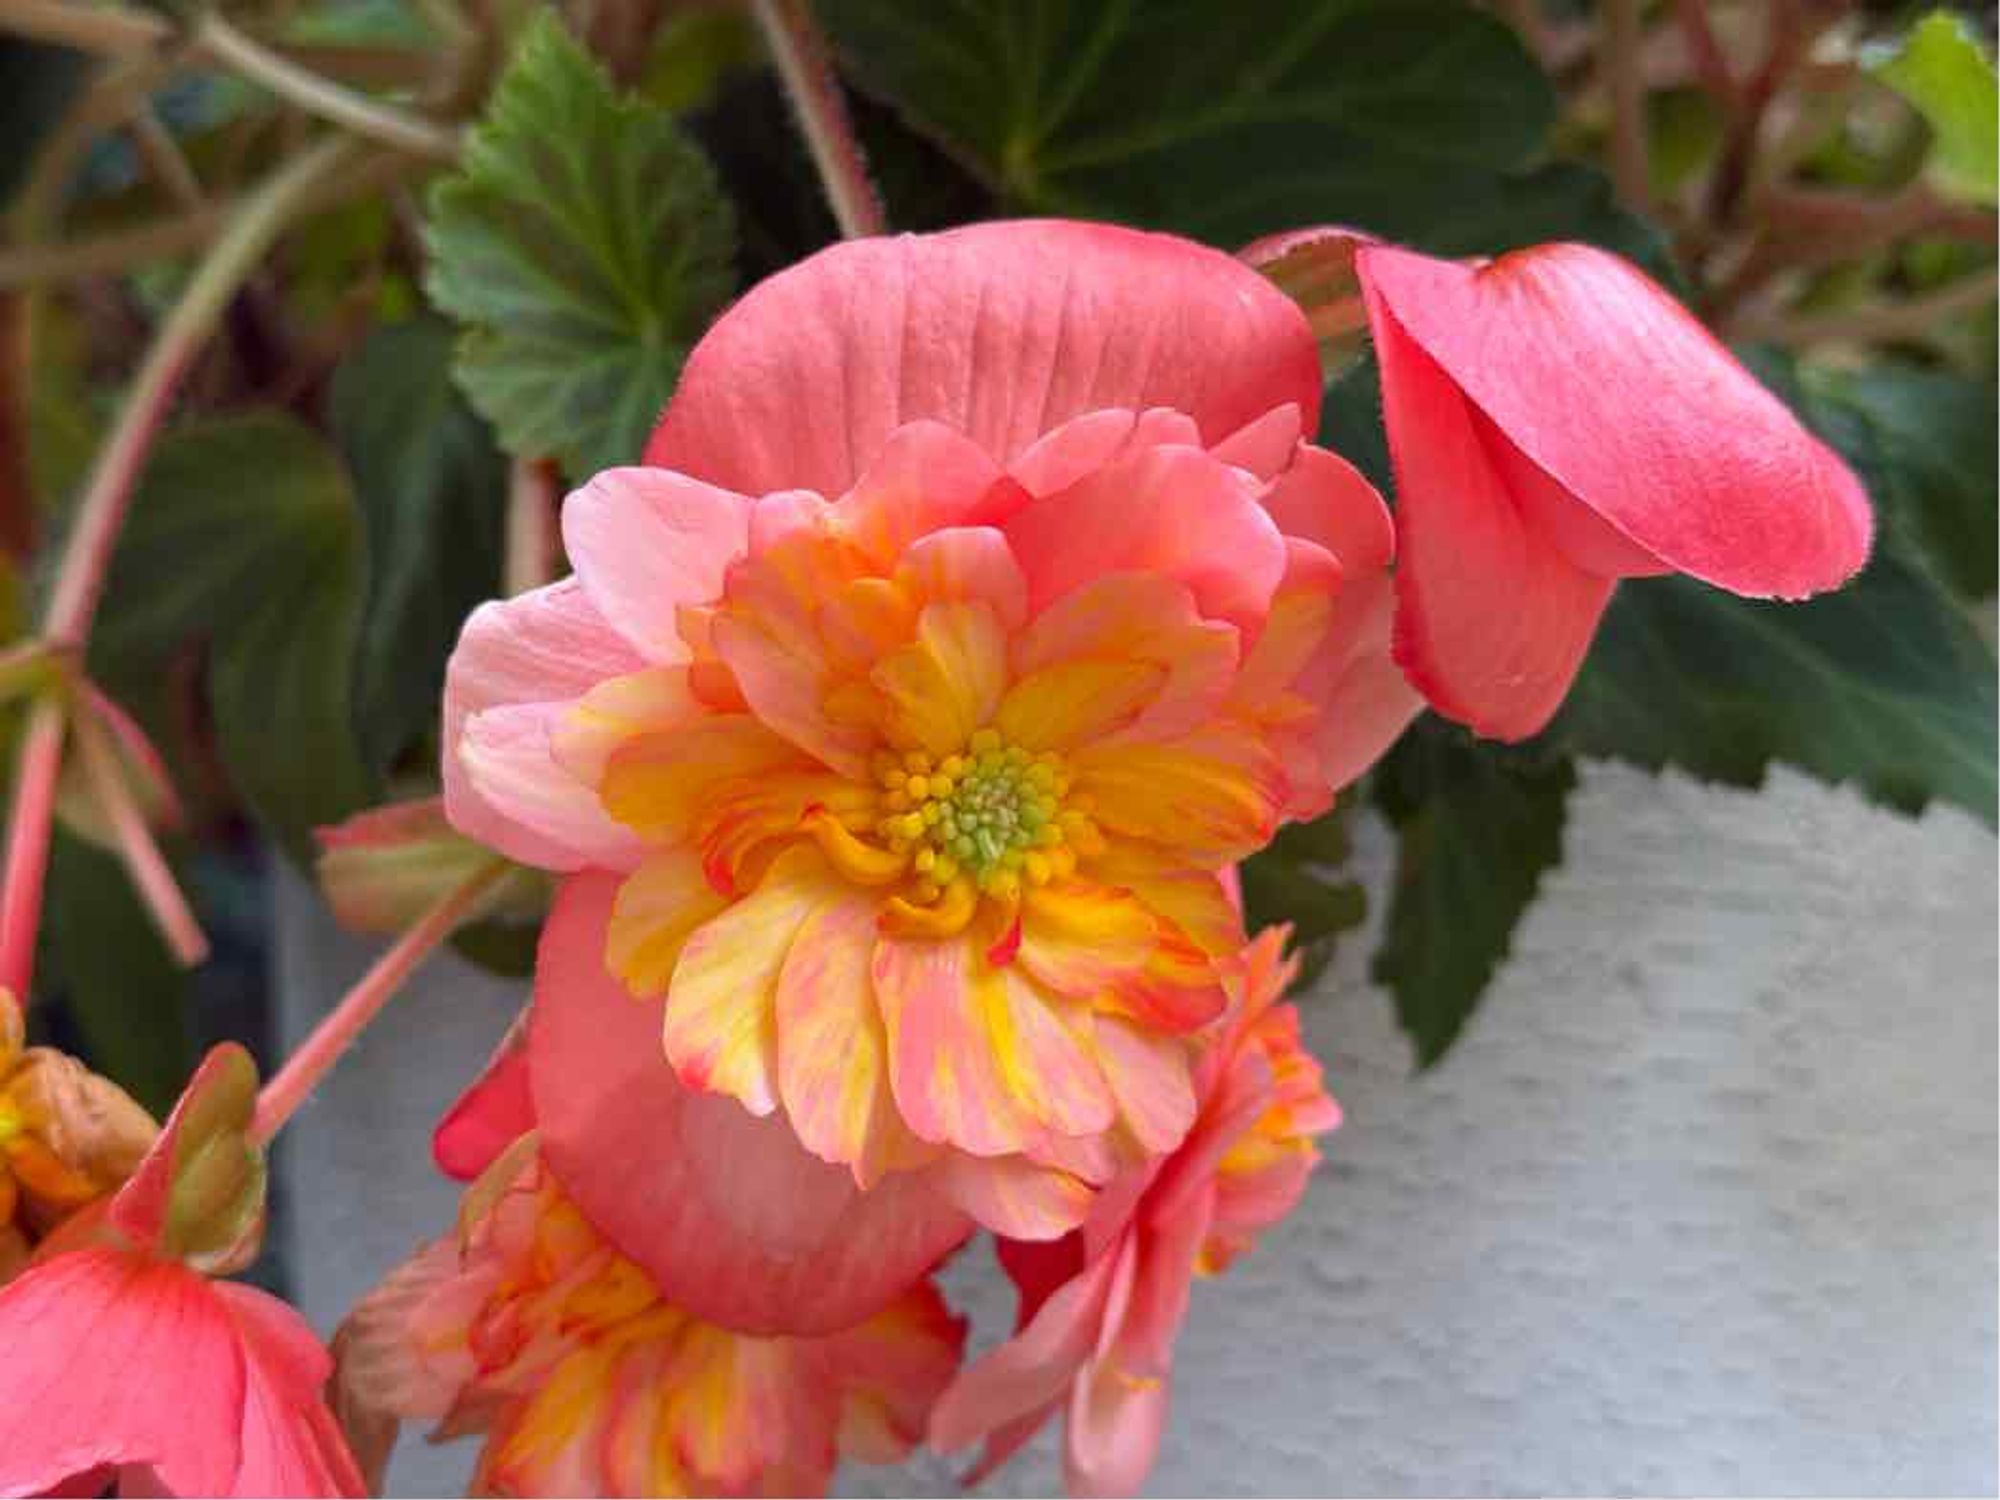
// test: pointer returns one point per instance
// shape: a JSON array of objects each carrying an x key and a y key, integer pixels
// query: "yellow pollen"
[{"x": 996, "y": 815}]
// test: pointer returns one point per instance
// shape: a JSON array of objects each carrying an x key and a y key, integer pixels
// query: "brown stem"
[
  {"x": 1621, "y": 42},
  {"x": 1879, "y": 323}
]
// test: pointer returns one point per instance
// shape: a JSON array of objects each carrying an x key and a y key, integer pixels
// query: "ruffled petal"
[
  {"x": 731, "y": 1218},
  {"x": 1493, "y": 619},
  {"x": 549, "y": 646},
  {"x": 508, "y": 757},
  {"x": 644, "y": 542},
  {"x": 927, "y": 477},
  {"x": 1606, "y": 383},
  {"x": 947, "y": 682},
  {"x": 1003, "y": 331},
  {"x": 1015, "y": 1196}
]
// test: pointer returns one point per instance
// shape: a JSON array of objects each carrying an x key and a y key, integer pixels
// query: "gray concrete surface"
[{"x": 1703, "y": 1202}]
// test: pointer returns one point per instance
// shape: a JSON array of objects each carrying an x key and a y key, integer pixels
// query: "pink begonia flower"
[
  {"x": 1558, "y": 422},
  {"x": 121, "y": 1365},
  {"x": 980, "y": 604},
  {"x": 1100, "y": 1308},
  {"x": 529, "y": 1328}
]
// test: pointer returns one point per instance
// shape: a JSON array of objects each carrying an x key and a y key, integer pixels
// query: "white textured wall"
[{"x": 1703, "y": 1201}]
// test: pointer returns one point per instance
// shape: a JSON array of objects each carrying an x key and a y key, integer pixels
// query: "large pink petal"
[
  {"x": 545, "y": 813},
  {"x": 110, "y": 1359},
  {"x": 1004, "y": 331},
  {"x": 1492, "y": 619},
  {"x": 1613, "y": 388},
  {"x": 291, "y": 1443},
  {"x": 726, "y": 1212},
  {"x": 550, "y": 646},
  {"x": 645, "y": 542}
]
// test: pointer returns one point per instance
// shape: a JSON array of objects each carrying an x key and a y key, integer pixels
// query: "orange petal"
[{"x": 659, "y": 906}]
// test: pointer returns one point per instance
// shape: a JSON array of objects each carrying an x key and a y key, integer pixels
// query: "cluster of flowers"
[{"x": 980, "y": 602}]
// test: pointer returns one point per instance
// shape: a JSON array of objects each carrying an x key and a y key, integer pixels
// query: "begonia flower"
[
  {"x": 529, "y": 1329},
  {"x": 979, "y": 603},
  {"x": 1101, "y": 1308},
  {"x": 1558, "y": 422},
  {"x": 124, "y": 1366}
]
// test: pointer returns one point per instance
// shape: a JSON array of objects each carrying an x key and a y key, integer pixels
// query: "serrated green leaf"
[
  {"x": 1944, "y": 71},
  {"x": 1478, "y": 827},
  {"x": 432, "y": 488},
  {"x": 586, "y": 245},
  {"x": 244, "y": 533},
  {"x": 1224, "y": 122}
]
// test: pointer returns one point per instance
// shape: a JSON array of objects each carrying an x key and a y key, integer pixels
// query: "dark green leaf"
[
  {"x": 38, "y": 81},
  {"x": 586, "y": 246},
  {"x": 1223, "y": 122},
  {"x": 244, "y": 533},
  {"x": 1350, "y": 421},
  {"x": 127, "y": 995},
  {"x": 1936, "y": 459},
  {"x": 1478, "y": 827},
  {"x": 432, "y": 489},
  {"x": 1290, "y": 881}
]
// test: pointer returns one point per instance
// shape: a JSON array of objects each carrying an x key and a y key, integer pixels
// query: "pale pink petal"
[
  {"x": 1150, "y": 1076},
  {"x": 785, "y": 687},
  {"x": 729, "y": 1216},
  {"x": 1003, "y": 331},
  {"x": 550, "y": 646},
  {"x": 1031, "y": 1369},
  {"x": 1173, "y": 511},
  {"x": 644, "y": 542},
  {"x": 1015, "y": 1196},
  {"x": 545, "y": 814}
]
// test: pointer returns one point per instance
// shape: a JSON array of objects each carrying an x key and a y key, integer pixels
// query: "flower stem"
[
  {"x": 322, "y": 96},
  {"x": 799, "y": 51},
  {"x": 102, "y": 510},
  {"x": 293, "y": 1083},
  {"x": 530, "y": 557},
  {"x": 107, "y": 30},
  {"x": 151, "y": 875},
  {"x": 1621, "y": 41},
  {"x": 28, "y": 828}
]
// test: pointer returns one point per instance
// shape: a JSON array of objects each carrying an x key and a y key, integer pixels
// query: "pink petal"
[
  {"x": 1084, "y": 444},
  {"x": 291, "y": 1443},
  {"x": 1172, "y": 511},
  {"x": 1614, "y": 389},
  {"x": 1265, "y": 446},
  {"x": 1004, "y": 331},
  {"x": 112, "y": 1359},
  {"x": 645, "y": 542},
  {"x": 925, "y": 478},
  {"x": 1492, "y": 619},
  {"x": 1113, "y": 1435},
  {"x": 490, "y": 1115},
  {"x": 1015, "y": 1196},
  {"x": 727, "y": 1214},
  {"x": 546, "y": 814},
  {"x": 546, "y": 647},
  {"x": 967, "y": 563},
  {"x": 1031, "y": 1369}
]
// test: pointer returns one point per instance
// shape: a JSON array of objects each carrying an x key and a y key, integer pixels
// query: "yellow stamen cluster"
[{"x": 994, "y": 814}]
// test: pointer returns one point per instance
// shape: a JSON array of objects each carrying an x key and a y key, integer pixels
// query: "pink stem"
[
  {"x": 28, "y": 827},
  {"x": 144, "y": 862},
  {"x": 799, "y": 52},
  {"x": 293, "y": 1083}
]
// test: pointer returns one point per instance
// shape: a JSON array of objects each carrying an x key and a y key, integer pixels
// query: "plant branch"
[
  {"x": 29, "y": 825},
  {"x": 293, "y": 1083},
  {"x": 235, "y": 255},
  {"x": 1705, "y": 52},
  {"x": 529, "y": 560},
  {"x": 1620, "y": 45},
  {"x": 799, "y": 51},
  {"x": 106, "y": 30},
  {"x": 1877, "y": 323},
  {"x": 120, "y": 250},
  {"x": 164, "y": 159},
  {"x": 148, "y": 867},
  {"x": 322, "y": 96}
]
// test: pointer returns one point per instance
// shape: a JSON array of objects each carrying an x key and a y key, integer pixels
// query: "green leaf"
[
  {"x": 586, "y": 245},
  {"x": 127, "y": 995},
  {"x": 244, "y": 533},
  {"x": 1288, "y": 882},
  {"x": 1224, "y": 122},
  {"x": 1478, "y": 827},
  {"x": 432, "y": 489},
  {"x": 1944, "y": 71},
  {"x": 38, "y": 82},
  {"x": 1936, "y": 460}
]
